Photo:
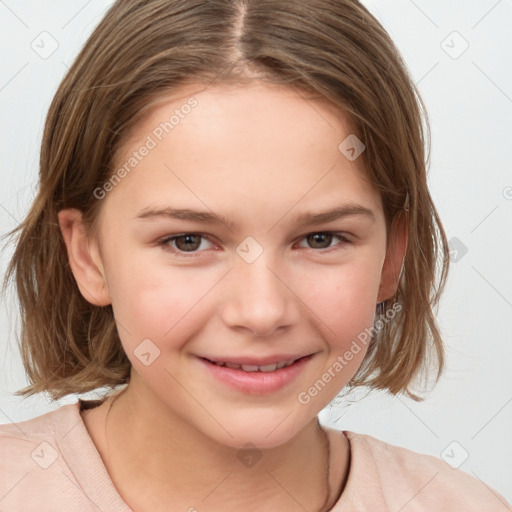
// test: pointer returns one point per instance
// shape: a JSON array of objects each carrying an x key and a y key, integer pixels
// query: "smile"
[
  {"x": 255, "y": 379},
  {"x": 255, "y": 368}
]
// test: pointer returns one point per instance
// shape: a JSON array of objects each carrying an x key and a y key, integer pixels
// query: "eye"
[
  {"x": 188, "y": 244},
  {"x": 322, "y": 240},
  {"x": 184, "y": 243}
]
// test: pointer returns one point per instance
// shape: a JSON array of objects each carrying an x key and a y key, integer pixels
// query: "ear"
[
  {"x": 84, "y": 258},
  {"x": 395, "y": 252}
]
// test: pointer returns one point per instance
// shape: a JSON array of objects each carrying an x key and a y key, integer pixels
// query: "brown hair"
[{"x": 142, "y": 50}]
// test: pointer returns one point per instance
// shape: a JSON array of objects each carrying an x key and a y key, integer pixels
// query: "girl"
[{"x": 232, "y": 225}]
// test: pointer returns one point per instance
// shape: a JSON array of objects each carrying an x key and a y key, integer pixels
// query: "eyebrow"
[{"x": 210, "y": 217}]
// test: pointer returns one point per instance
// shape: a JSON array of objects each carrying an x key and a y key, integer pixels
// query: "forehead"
[
  {"x": 233, "y": 147},
  {"x": 260, "y": 109}
]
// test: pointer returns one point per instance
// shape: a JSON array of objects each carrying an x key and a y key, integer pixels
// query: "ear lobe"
[
  {"x": 84, "y": 258},
  {"x": 395, "y": 253}
]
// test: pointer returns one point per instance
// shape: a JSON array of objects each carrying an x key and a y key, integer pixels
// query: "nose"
[{"x": 258, "y": 298}]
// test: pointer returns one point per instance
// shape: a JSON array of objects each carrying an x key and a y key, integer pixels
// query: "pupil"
[
  {"x": 187, "y": 245},
  {"x": 317, "y": 238}
]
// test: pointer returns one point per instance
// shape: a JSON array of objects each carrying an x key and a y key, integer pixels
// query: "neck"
[{"x": 155, "y": 459}]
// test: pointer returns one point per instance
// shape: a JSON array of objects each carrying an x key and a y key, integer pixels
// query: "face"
[{"x": 259, "y": 277}]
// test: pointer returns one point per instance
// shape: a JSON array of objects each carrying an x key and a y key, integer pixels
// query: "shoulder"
[
  {"x": 36, "y": 443},
  {"x": 409, "y": 481},
  {"x": 19, "y": 438},
  {"x": 50, "y": 463},
  {"x": 34, "y": 456},
  {"x": 40, "y": 441}
]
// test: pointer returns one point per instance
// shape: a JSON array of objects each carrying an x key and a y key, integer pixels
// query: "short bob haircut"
[{"x": 140, "y": 52}]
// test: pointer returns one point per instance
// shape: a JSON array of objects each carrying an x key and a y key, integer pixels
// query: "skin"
[{"x": 259, "y": 155}]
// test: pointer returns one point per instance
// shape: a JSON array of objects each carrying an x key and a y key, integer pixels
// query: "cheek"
[
  {"x": 157, "y": 315},
  {"x": 344, "y": 297},
  {"x": 343, "y": 301},
  {"x": 152, "y": 301}
]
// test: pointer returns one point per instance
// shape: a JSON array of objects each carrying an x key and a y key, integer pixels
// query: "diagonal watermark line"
[
  {"x": 217, "y": 486},
  {"x": 427, "y": 73},
  {"x": 301, "y": 300},
  {"x": 17, "y": 483},
  {"x": 14, "y": 423},
  {"x": 278, "y": 425},
  {"x": 492, "y": 81},
  {"x": 424, "y": 14},
  {"x": 199, "y": 403},
  {"x": 301, "y": 198},
  {"x": 116, "y": 320},
  {"x": 509, "y": 507},
  {"x": 492, "y": 418},
  {"x": 75, "y": 425},
  {"x": 493, "y": 287},
  {"x": 9, "y": 213},
  {"x": 14, "y": 76},
  {"x": 422, "y": 421},
  {"x": 82, "y": 491},
  {"x": 76, "y": 14},
  {"x": 85, "y": 412},
  {"x": 492, "y": 211},
  {"x": 68, "y": 68},
  {"x": 286, "y": 491},
  {"x": 312, "y": 106},
  {"x": 13, "y": 13},
  {"x": 166, "y": 166},
  {"x": 186, "y": 313},
  {"x": 485, "y": 15},
  {"x": 92, "y": 295},
  {"x": 414, "y": 497}
]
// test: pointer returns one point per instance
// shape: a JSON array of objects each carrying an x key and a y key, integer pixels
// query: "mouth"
[
  {"x": 255, "y": 379},
  {"x": 266, "y": 368}
]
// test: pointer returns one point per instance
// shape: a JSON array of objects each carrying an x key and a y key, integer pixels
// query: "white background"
[{"x": 469, "y": 99}]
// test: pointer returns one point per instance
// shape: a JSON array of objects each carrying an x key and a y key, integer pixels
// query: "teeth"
[
  {"x": 266, "y": 368},
  {"x": 254, "y": 368},
  {"x": 249, "y": 367}
]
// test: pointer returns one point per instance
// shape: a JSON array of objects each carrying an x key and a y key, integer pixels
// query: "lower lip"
[{"x": 256, "y": 383}]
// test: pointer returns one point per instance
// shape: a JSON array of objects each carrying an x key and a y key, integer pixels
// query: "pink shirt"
[{"x": 50, "y": 464}]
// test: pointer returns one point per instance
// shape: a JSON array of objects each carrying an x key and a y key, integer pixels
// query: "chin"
[{"x": 262, "y": 429}]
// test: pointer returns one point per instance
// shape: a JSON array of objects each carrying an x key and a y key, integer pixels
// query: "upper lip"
[{"x": 256, "y": 361}]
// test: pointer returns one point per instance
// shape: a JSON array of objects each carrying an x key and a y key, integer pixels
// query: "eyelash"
[{"x": 164, "y": 242}]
